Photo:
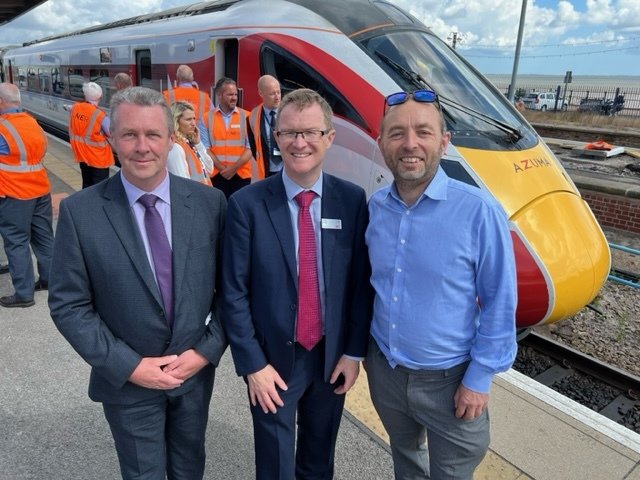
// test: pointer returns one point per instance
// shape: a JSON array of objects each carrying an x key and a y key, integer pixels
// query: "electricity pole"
[{"x": 516, "y": 60}]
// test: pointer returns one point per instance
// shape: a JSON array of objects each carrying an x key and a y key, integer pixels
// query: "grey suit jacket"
[{"x": 103, "y": 296}]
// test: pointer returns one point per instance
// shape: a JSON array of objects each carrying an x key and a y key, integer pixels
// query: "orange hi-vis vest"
[
  {"x": 261, "y": 164},
  {"x": 194, "y": 165},
  {"x": 200, "y": 100},
  {"x": 22, "y": 174},
  {"x": 227, "y": 144},
  {"x": 88, "y": 142}
]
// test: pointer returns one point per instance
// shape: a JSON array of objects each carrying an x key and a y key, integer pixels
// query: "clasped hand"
[{"x": 168, "y": 372}]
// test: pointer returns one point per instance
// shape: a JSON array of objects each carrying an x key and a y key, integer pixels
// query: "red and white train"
[{"x": 354, "y": 53}]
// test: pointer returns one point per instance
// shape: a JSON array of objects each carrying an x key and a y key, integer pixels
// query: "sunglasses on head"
[{"x": 422, "y": 96}]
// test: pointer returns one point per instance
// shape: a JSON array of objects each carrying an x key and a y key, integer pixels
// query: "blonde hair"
[{"x": 177, "y": 110}]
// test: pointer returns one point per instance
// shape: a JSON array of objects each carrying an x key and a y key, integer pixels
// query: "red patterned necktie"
[
  {"x": 309, "y": 330},
  {"x": 160, "y": 252}
]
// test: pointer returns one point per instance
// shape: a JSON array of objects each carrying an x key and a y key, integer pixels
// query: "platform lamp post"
[{"x": 516, "y": 60}]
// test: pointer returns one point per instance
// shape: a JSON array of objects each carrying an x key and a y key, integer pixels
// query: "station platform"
[{"x": 50, "y": 429}]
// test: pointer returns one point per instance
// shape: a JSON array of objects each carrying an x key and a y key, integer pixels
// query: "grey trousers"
[
  {"x": 24, "y": 223},
  {"x": 416, "y": 409}
]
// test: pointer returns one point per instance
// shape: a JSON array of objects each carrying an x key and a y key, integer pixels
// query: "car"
[
  {"x": 542, "y": 101},
  {"x": 602, "y": 106}
]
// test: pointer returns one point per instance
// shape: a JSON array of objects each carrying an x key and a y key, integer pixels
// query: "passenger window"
[
  {"x": 32, "y": 80},
  {"x": 57, "y": 82},
  {"x": 101, "y": 77},
  {"x": 293, "y": 73},
  {"x": 44, "y": 80},
  {"x": 22, "y": 78},
  {"x": 75, "y": 80}
]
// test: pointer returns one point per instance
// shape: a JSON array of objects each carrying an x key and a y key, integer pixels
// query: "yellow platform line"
[{"x": 358, "y": 404}]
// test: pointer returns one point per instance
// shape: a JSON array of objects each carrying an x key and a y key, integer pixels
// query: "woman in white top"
[{"x": 188, "y": 158}]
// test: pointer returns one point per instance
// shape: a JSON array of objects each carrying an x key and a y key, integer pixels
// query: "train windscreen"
[{"x": 477, "y": 114}]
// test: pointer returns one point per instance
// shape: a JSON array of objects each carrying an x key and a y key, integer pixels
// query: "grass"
[{"x": 583, "y": 119}]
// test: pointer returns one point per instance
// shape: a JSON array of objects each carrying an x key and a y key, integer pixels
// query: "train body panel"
[{"x": 354, "y": 61}]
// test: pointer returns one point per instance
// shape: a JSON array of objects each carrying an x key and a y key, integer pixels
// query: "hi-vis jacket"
[
  {"x": 194, "y": 165},
  {"x": 88, "y": 142},
  {"x": 261, "y": 163},
  {"x": 227, "y": 144},
  {"x": 22, "y": 174},
  {"x": 200, "y": 100}
]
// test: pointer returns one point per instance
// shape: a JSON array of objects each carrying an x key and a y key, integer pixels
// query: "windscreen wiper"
[{"x": 418, "y": 81}]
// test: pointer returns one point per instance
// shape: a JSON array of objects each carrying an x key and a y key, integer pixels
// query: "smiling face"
[
  {"x": 412, "y": 143},
  {"x": 142, "y": 139},
  {"x": 303, "y": 158}
]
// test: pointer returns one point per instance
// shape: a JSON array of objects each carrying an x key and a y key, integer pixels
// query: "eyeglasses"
[
  {"x": 422, "y": 96},
  {"x": 308, "y": 135}
]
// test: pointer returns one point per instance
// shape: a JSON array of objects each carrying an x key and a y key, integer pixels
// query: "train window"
[
  {"x": 76, "y": 79},
  {"x": 143, "y": 68},
  {"x": 32, "y": 80},
  {"x": 294, "y": 73},
  {"x": 44, "y": 80},
  {"x": 22, "y": 77},
  {"x": 101, "y": 77},
  {"x": 57, "y": 82}
]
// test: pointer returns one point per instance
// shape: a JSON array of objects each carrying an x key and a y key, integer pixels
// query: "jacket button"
[
  {"x": 289, "y": 343},
  {"x": 292, "y": 306}
]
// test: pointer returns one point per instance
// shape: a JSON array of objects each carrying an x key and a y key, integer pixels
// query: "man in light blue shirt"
[{"x": 444, "y": 314}]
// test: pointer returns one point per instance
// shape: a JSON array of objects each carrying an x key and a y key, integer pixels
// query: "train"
[{"x": 354, "y": 54}]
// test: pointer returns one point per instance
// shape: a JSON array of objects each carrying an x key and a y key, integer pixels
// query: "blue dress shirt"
[{"x": 444, "y": 275}]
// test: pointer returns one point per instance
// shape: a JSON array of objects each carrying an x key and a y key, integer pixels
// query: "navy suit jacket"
[
  {"x": 260, "y": 296},
  {"x": 102, "y": 292}
]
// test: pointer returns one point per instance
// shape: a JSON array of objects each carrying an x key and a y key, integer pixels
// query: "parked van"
[{"x": 542, "y": 101}]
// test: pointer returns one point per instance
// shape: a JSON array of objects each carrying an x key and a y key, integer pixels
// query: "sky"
[{"x": 588, "y": 37}]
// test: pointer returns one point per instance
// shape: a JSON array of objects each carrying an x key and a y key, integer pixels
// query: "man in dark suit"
[
  {"x": 297, "y": 337},
  {"x": 261, "y": 124},
  {"x": 143, "y": 318}
]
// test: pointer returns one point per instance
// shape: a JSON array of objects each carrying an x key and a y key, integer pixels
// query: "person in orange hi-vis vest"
[
  {"x": 188, "y": 157},
  {"x": 224, "y": 133},
  {"x": 88, "y": 135},
  {"x": 187, "y": 91},
  {"x": 261, "y": 123},
  {"x": 25, "y": 199}
]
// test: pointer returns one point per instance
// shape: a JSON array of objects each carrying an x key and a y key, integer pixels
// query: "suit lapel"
[
  {"x": 182, "y": 213},
  {"x": 278, "y": 210},
  {"x": 119, "y": 213},
  {"x": 331, "y": 208}
]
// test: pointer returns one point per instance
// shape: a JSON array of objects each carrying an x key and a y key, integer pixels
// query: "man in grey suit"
[{"x": 152, "y": 344}]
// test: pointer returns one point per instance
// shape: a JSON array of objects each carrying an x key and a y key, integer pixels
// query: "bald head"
[
  {"x": 184, "y": 74},
  {"x": 269, "y": 91},
  {"x": 9, "y": 95}
]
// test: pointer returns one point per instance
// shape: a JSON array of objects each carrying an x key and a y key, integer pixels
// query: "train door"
[
  {"x": 143, "y": 69},
  {"x": 225, "y": 54},
  {"x": 9, "y": 73}
]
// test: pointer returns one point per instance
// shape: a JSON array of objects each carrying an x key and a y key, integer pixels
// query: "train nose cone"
[{"x": 561, "y": 255}]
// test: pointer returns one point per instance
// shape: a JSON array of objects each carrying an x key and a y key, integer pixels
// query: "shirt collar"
[
  {"x": 292, "y": 188},
  {"x": 226, "y": 114},
  {"x": 10, "y": 110},
  {"x": 436, "y": 190},
  {"x": 134, "y": 193}
]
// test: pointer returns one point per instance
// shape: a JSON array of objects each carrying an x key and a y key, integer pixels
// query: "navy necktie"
[
  {"x": 160, "y": 252},
  {"x": 275, "y": 158}
]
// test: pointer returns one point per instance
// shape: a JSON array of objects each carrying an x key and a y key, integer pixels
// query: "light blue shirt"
[
  {"x": 315, "y": 209},
  {"x": 444, "y": 275},
  {"x": 273, "y": 166},
  {"x": 163, "y": 205},
  {"x": 204, "y": 132}
]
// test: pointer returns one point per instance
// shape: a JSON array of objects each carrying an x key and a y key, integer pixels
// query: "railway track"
[
  {"x": 588, "y": 134},
  {"x": 608, "y": 390}
]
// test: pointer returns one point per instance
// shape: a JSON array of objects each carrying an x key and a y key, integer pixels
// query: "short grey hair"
[
  {"x": 141, "y": 96},
  {"x": 92, "y": 91},
  {"x": 9, "y": 93}
]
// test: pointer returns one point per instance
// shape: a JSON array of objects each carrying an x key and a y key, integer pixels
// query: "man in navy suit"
[
  {"x": 268, "y": 304},
  {"x": 145, "y": 322}
]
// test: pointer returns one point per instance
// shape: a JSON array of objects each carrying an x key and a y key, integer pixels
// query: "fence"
[{"x": 598, "y": 99}]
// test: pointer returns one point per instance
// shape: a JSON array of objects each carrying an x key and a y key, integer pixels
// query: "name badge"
[
  {"x": 276, "y": 152},
  {"x": 331, "y": 223},
  {"x": 235, "y": 125}
]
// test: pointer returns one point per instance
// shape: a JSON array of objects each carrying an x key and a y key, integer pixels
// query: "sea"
[{"x": 604, "y": 81}]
